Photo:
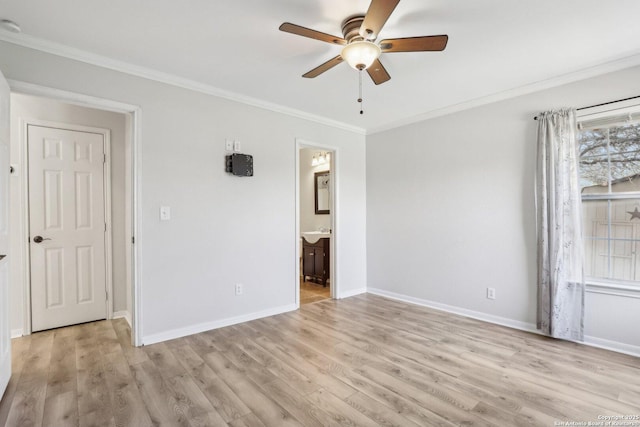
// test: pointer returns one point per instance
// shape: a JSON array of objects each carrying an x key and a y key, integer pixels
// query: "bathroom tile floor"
[{"x": 313, "y": 292}]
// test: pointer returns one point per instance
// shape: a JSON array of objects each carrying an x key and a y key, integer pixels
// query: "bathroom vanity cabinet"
[{"x": 315, "y": 260}]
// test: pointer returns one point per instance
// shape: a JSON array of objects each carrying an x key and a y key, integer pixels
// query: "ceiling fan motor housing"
[{"x": 351, "y": 28}]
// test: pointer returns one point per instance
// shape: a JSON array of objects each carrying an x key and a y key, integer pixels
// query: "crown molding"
[
  {"x": 68, "y": 52},
  {"x": 79, "y": 55},
  {"x": 585, "y": 73}
]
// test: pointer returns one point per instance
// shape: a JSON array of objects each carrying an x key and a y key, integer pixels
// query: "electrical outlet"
[
  {"x": 491, "y": 293},
  {"x": 238, "y": 288},
  {"x": 236, "y": 146}
]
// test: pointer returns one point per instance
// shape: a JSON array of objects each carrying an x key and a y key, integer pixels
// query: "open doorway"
[
  {"x": 33, "y": 110},
  {"x": 316, "y": 210}
]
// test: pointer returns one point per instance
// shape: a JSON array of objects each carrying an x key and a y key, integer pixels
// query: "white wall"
[
  {"x": 448, "y": 203},
  {"x": 450, "y": 210},
  {"x": 29, "y": 107},
  {"x": 309, "y": 220},
  {"x": 224, "y": 229}
]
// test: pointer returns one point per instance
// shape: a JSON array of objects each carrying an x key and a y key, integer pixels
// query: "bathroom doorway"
[{"x": 316, "y": 211}]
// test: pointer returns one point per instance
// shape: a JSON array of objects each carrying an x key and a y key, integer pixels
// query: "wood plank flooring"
[{"x": 362, "y": 361}]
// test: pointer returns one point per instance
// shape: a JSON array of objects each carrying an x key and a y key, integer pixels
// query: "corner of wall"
[
  {"x": 123, "y": 314},
  {"x": 351, "y": 293}
]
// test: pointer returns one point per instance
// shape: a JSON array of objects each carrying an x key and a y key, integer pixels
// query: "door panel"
[
  {"x": 5, "y": 328},
  {"x": 66, "y": 209},
  {"x": 308, "y": 265},
  {"x": 319, "y": 261}
]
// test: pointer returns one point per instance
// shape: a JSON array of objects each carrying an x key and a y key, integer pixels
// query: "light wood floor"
[
  {"x": 362, "y": 361},
  {"x": 313, "y": 292}
]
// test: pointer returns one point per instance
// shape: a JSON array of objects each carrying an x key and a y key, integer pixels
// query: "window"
[{"x": 609, "y": 148}]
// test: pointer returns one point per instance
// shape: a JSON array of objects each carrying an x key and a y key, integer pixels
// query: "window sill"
[{"x": 609, "y": 288}]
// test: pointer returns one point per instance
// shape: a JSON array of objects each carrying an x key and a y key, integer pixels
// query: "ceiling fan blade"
[
  {"x": 378, "y": 73},
  {"x": 323, "y": 67},
  {"x": 288, "y": 27},
  {"x": 378, "y": 13},
  {"x": 415, "y": 44}
]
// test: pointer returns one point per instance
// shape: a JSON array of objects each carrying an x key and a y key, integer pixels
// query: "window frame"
[{"x": 631, "y": 107}]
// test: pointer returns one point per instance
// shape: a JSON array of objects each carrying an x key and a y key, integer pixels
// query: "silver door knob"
[{"x": 39, "y": 239}]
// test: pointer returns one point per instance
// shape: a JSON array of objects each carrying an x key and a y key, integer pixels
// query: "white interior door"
[
  {"x": 5, "y": 328},
  {"x": 66, "y": 226}
]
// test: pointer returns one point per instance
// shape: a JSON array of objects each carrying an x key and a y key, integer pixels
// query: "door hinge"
[
  {"x": 106, "y": 294},
  {"x": 105, "y": 226},
  {"x": 133, "y": 240},
  {"x": 104, "y": 158}
]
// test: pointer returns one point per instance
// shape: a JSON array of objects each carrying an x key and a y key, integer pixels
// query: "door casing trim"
[
  {"x": 135, "y": 150},
  {"x": 301, "y": 143}
]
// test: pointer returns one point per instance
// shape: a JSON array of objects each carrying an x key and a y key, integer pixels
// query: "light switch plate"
[
  {"x": 228, "y": 145},
  {"x": 165, "y": 213}
]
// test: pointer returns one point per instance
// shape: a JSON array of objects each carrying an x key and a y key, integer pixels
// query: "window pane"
[
  {"x": 624, "y": 148},
  {"x": 595, "y": 220},
  {"x": 610, "y": 154},
  {"x": 612, "y": 239},
  {"x": 594, "y": 166}
]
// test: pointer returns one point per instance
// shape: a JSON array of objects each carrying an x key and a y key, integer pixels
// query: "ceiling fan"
[{"x": 360, "y": 50}]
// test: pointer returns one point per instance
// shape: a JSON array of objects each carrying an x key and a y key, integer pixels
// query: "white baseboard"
[
  {"x": 616, "y": 346},
  {"x": 620, "y": 347},
  {"x": 123, "y": 314},
  {"x": 351, "y": 293},
  {"x": 207, "y": 326},
  {"x": 17, "y": 333},
  {"x": 515, "y": 324}
]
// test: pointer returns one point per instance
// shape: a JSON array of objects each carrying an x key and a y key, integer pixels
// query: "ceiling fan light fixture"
[{"x": 360, "y": 54}]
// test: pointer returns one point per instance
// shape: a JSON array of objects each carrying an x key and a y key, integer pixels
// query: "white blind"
[
  {"x": 611, "y": 115},
  {"x": 611, "y": 121}
]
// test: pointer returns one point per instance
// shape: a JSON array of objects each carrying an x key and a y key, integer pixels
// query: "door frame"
[
  {"x": 301, "y": 143},
  {"x": 5, "y": 248},
  {"x": 134, "y": 135},
  {"x": 26, "y": 208}
]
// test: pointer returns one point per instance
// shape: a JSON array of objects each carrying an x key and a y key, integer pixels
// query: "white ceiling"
[{"x": 235, "y": 47}]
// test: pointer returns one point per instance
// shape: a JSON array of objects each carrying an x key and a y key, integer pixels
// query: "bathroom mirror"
[{"x": 321, "y": 186}]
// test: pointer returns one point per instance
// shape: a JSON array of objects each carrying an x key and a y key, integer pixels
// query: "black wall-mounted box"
[{"x": 239, "y": 164}]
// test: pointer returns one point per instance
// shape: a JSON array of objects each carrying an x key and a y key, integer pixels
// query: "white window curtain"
[{"x": 559, "y": 216}]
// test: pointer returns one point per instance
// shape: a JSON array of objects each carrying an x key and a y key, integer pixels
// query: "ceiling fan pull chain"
[{"x": 360, "y": 90}]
